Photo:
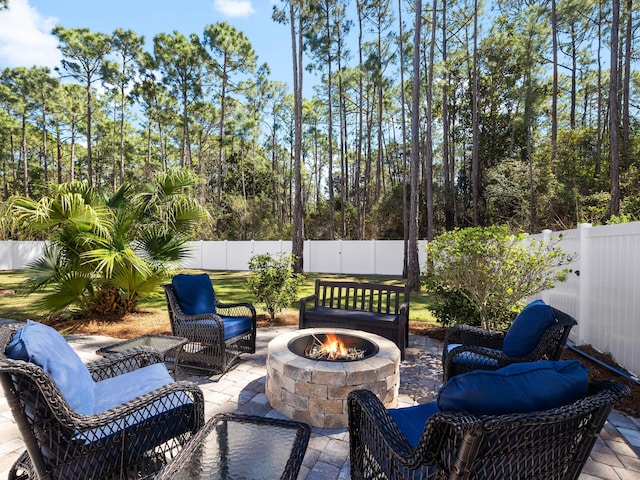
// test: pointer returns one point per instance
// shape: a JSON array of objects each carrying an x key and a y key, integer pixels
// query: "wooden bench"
[{"x": 374, "y": 308}]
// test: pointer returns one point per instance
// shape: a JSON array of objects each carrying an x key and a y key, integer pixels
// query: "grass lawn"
[{"x": 152, "y": 316}]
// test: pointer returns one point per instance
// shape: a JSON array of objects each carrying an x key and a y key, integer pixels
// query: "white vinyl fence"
[
  {"x": 602, "y": 292},
  {"x": 367, "y": 257},
  {"x": 354, "y": 257}
]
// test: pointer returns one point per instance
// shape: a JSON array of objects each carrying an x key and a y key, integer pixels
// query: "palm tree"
[{"x": 105, "y": 253}]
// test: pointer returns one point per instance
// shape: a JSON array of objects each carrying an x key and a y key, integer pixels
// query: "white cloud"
[
  {"x": 234, "y": 8},
  {"x": 25, "y": 37}
]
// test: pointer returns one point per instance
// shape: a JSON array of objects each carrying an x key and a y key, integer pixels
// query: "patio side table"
[
  {"x": 169, "y": 347},
  {"x": 232, "y": 446}
]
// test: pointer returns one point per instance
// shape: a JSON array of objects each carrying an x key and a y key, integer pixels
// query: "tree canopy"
[{"x": 526, "y": 123}]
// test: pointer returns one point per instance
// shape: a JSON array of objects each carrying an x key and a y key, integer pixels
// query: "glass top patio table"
[
  {"x": 241, "y": 447},
  {"x": 163, "y": 343}
]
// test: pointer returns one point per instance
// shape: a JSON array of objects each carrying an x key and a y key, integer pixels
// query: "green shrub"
[
  {"x": 273, "y": 281},
  {"x": 450, "y": 306},
  {"x": 495, "y": 270}
]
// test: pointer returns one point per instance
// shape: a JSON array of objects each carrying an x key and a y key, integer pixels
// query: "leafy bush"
[
  {"x": 495, "y": 270},
  {"x": 273, "y": 281},
  {"x": 450, "y": 306}
]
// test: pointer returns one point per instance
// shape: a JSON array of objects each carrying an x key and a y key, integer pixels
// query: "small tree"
[
  {"x": 495, "y": 270},
  {"x": 273, "y": 281}
]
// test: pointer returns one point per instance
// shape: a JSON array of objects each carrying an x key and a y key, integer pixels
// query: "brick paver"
[{"x": 614, "y": 457}]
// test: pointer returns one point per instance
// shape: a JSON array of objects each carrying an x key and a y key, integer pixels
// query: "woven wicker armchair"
[
  {"x": 550, "y": 445},
  {"x": 134, "y": 438},
  {"x": 216, "y": 338},
  {"x": 468, "y": 348}
]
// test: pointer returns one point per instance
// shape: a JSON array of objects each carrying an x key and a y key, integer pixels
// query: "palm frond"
[{"x": 70, "y": 290}]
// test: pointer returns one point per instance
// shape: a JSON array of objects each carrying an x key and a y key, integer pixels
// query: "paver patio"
[{"x": 616, "y": 455}]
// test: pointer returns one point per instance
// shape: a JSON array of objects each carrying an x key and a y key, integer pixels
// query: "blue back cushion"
[
  {"x": 527, "y": 329},
  {"x": 194, "y": 293},
  {"x": 518, "y": 388},
  {"x": 44, "y": 346}
]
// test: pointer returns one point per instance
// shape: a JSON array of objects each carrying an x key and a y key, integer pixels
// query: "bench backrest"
[{"x": 371, "y": 297}]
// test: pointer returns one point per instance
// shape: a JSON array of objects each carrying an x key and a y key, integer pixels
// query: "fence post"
[
  {"x": 584, "y": 275},
  {"x": 546, "y": 237},
  {"x": 374, "y": 257}
]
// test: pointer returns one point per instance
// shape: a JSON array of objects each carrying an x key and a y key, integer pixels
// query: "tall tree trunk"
[
  {"x": 613, "y": 111},
  {"x": 89, "y": 149},
  {"x": 122, "y": 112},
  {"x": 45, "y": 162},
  {"x": 14, "y": 170},
  {"x": 475, "y": 151},
  {"x": 359, "y": 135},
  {"x": 72, "y": 153},
  {"x": 23, "y": 155},
  {"x": 330, "y": 122},
  {"x": 413, "y": 277},
  {"x": 405, "y": 205},
  {"x": 554, "y": 93},
  {"x": 626, "y": 83},
  {"x": 598, "y": 167},
  {"x": 447, "y": 159},
  {"x": 59, "y": 152},
  {"x": 296, "y": 53},
  {"x": 429, "y": 132}
]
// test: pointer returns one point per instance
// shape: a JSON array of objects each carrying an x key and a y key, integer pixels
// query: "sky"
[{"x": 26, "y": 39}]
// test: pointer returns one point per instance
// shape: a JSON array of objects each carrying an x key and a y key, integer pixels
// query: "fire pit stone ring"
[{"x": 315, "y": 391}]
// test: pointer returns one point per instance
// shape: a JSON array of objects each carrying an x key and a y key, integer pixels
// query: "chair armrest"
[
  {"x": 479, "y": 358},
  {"x": 123, "y": 362},
  {"x": 468, "y": 335},
  {"x": 307, "y": 299},
  {"x": 367, "y": 411},
  {"x": 303, "y": 306}
]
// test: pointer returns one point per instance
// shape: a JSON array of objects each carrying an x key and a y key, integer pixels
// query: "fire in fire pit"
[{"x": 333, "y": 347}]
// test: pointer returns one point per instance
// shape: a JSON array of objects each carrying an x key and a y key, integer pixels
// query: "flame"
[{"x": 333, "y": 347}]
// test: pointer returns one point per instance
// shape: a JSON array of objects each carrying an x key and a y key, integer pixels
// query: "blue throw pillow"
[
  {"x": 527, "y": 329},
  {"x": 194, "y": 293},
  {"x": 518, "y": 388},
  {"x": 44, "y": 346}
]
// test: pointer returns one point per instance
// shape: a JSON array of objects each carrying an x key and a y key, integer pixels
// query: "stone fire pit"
[{"x": 315, "y": 391}]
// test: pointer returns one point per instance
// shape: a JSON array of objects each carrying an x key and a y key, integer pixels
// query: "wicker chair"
[
  {"x": 550, "y": 445},
  {"x": 217, "y": 336},
  {"x": 128, "y": 440},
  {"x": 468, "y": 348}
]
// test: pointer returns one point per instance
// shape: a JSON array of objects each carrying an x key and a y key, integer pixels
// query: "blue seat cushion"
[
  {"x": 517, "y": 388},
  {"x": 233, "y": 326},
  {"x": 115, "y": 391},
  {"x": 194, "y": 293},
  {"x": 44, "y": 346},
  {"x": 411, "y": 420},
  {"x": 527, "y": 329}
]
